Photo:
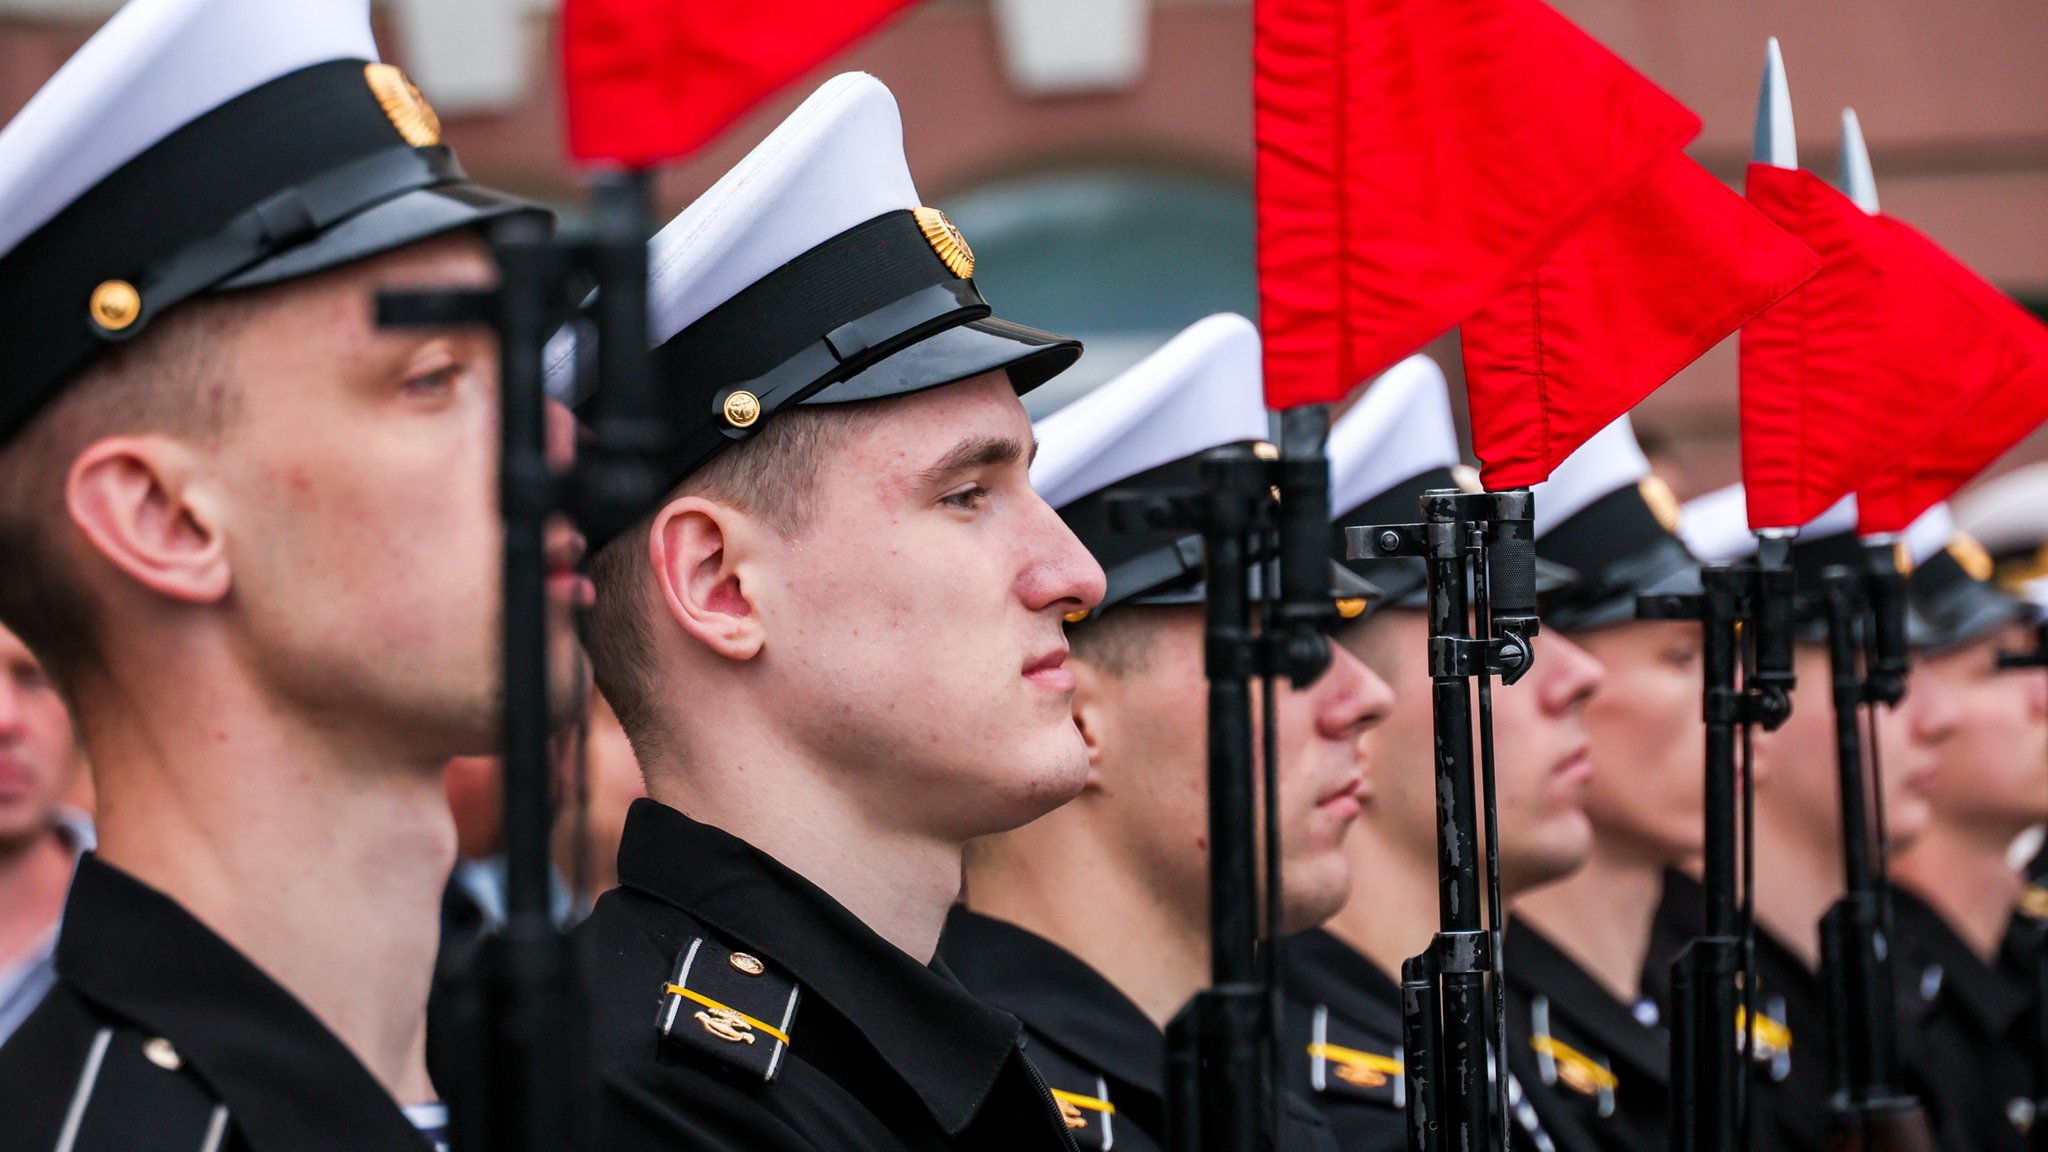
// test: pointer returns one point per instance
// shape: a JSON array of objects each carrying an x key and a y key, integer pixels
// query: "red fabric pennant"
[
  {"x": 1413, "y": 157},
  {"x": 1641, "y": 290},
  {"x": 2009, "y": 410},
  {"x": 1861, "y": 363},
  {"x": 653, "y": 80}
]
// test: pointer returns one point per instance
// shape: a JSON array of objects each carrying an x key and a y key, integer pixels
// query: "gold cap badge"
[
  {"x": 945, "y": 239},
  {"x": 742, "y": 408},
  {"x": 1663, "y": 504},
  {"x": 409, "y": 111},
  {"x": 114, "y": 305},
  {"x": 1970, "y": 556}
]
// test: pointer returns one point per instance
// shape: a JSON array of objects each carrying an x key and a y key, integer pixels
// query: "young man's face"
[
  {"x": 1647, "y": 740},
  {"x": 360, "y": 472},
  {"x": 1148, "y": 735},
  {"x": 37, "y": 753},
  {"x": 1801, "y": 758},
  {"x": 1541, "y": 766},
  {"x": 1991, "y": 777},
  {"x": 914, "y": 627}
]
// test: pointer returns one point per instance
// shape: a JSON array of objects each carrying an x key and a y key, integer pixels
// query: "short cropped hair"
[
  {"x": 1119, "y": 642},
  {"x": 171, "y": 380},
  {"x": 773, "y": 476}
]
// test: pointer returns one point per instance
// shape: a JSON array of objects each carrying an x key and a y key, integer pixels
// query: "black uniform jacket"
[
  {"x": 1342, "y": 1045},
  {"x": 1095, "y": 1048},
  {"x": 160, "y": 1037},
  {"x": 737, "y": 1006},
  {"x": 1975, "y": 1029},
  {"x": 1791, "y": 1050},
  {"x": 1102, "y": 1056},
  {"x": 1592, "y": 1052}
]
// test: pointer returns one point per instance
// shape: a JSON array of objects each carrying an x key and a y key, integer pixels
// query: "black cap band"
[
  {"x": 1619, "y": 549},
  {"x": 254, "y": 177}
]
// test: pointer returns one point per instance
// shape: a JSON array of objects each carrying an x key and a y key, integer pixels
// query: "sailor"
[
  {"x": 245, "y": 530},
  {"x": 1343, "y": 1040},
  {"x": 1575, "y": 949},
  {"x": 1091, "y": 923},
  {"x": 836, "y": 644},
  {"x": 1955, "y": 892},
  {"x": 1798, "y": 833}
]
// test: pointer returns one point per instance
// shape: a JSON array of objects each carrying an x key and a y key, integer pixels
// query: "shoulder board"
[
  {"x": 1349, "y": 1062},
  {"x": 1080, "y": 1093},
  {"x": 1560, "y": 1063},
  {"x": 730, "y": 1006},
  {"x": 135, "y": 1094}
]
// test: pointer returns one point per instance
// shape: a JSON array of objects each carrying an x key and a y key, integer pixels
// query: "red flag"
[
  {"x": 2007, "y": 412},
  {"x": 652, "y": 80},
  {"x": 1861, "y": 363},
  {"x": 1643, "y": 289},
  {"x": 1413, "y": 157}
]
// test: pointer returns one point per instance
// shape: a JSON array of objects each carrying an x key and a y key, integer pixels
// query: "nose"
[
  {"x": 1353, "y": 697},
  {"x": 1566, "y": 674},
  {"x": 561, "y": 432},
  {"x": 1059, "y": 574},
  {"x": 13, "y": 709},
  {"x": 1931, "y": 712}
]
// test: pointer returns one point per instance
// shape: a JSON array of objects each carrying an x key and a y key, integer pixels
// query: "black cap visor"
[
  {"x": 1030, "y": 356},
  {"x": 406, "y": 219}
]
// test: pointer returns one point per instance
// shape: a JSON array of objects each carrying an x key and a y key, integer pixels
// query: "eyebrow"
[{"x": 979, "y": 452}]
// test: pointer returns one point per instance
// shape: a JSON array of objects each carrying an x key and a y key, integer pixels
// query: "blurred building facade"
[{"x": 1099, "y": 152}]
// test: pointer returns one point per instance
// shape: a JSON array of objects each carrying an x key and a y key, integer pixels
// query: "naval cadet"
[
  {"x": 1343, "y": 1040},
  {"x": 1955, "y": 894},
  {"x": 837, "y": 647},
  {"x": 245, "y": 530},
  {"x": 1091, "y": 923},
  {"x": 1575, "y": 949},
  {"x": 1799, "y": 835}
]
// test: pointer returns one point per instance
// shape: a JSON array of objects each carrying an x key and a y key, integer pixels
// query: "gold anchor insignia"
[
  {"x": 1360, "y": 1075},
  {"x": 408, "y": 111},
  {"x": 945, "y": 238},
  {"x": 726, "y": 1024},
  {"x": 1071, "y": 1113},
  {"x": 1577, "y": 1077},
  {"x": 742, "y": 408}
]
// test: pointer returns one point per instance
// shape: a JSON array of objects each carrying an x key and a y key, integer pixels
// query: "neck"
[
  {"x": 35, "y": 875},
  {"x": 1153, "y": 946},
  {"x": 747, "y": 780},
  {"x": 1600, "y": 916},
  {"x": 1392, "y": 913},
  {"x": 314, "y": 852},
  {"x": 1799, "y": 873},
  {"x": 1965, "y": 879}
]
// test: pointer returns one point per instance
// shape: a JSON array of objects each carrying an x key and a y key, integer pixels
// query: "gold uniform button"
[
  {"x": 1075, "y": 617},
  {"x": 160, "y": 1053},
  {"x": 115, "y": 305},
  {"x": 742, "y": 408},
  {"x": 747, "y": 964}
]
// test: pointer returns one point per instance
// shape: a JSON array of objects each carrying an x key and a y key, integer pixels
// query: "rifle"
[
  {"x": 1745, "y": 615},
  {"x": 1222, "y": 1048},
  {"x": 1865, "y": 613},
  {"x": 1481, "y": 557},
  {"x": 533, "y": 1085}
]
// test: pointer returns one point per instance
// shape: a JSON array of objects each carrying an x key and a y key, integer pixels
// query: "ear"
[
  {"x": 700, "y": 552},
  {"x": 147, "y": 505},
  {"x": 1091, "y": 715}
]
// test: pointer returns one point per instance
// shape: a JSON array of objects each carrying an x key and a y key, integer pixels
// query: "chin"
[{"x": 1313, "y": 898}]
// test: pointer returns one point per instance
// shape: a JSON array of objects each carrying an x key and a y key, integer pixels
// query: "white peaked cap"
[
  {"x": 1716, "y": 526},
  {"x": 1201, "y": 390},
  {"x": 1401, "y": 429},
  {"x": 1610, "y": 461},
  {"x": 1930, "y": 533},
  {"x": 151, "y": 69},
  {"x": 836, "y": 162}
]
